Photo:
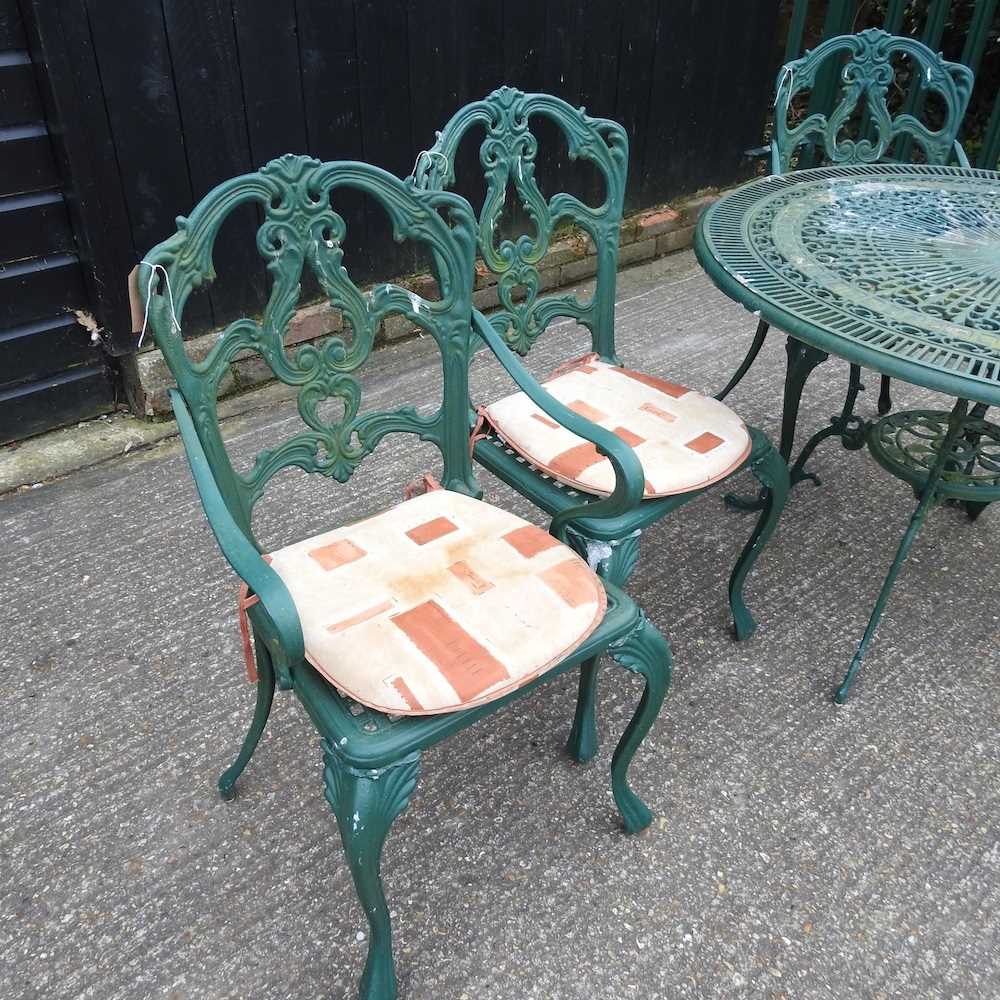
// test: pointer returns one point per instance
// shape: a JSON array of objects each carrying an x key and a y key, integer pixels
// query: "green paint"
[
  {"x": 866, "y": 77},
  {"x": 507, "y": 155},
  {"x": 371, "y": 760},
  {"x": 891, "y": 266}
]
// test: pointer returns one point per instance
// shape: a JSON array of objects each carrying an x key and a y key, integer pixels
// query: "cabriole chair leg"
[
  {"x": 643, "y": 651},
  {"x": 615, "y": 561},
  {"x": 582, "y": 743},
  {"x": 365, "y": 804},
  {"x": 771, "y": 472},
  {"x": 265, "y": 696}
]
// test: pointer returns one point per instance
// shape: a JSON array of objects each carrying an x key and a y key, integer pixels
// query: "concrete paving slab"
[{"x": 799, "y": 850}]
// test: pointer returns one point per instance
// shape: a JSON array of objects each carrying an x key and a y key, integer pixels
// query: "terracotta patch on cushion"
[
  {"x": 430, "y": 530},
  {"x": 582, "y": 364},
  {"x": 404, "y": 692},
  {"x": 572, "y": 581},
  {"x": 337, "y": 553},
  {"x": 571, "y": 462},
  {"x": 704, "y": 442},
  {"x": 586, "y": 410},
  {"x": 545, "y": 420},
  {"x": 361, "y": 616},
  {"x": 530, "y": 540},
  {"x": 467, "y": 666},
  {"x": 656, "y": 411},
  {"x": 669, "y": 388},
  {"x": 632, "y": 440},
  {"x": 464, "y": 572}
]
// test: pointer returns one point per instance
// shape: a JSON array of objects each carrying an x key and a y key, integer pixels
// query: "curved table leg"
[
  {"x": 802, "y": 359},
  {"x": 885, "y": 396},
  {"x": 758, "y": 342},
  {"x": 975, "y": 507},
  {"x": 927, "y": 498},
  {"x": 850, "y": 428}
]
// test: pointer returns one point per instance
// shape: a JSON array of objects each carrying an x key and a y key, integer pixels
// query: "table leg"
[
  {"x": 975, "y": 507},
  {"x": 850, "y": 428},
  {"x": 927, "y": 498},
  {"x": 802, "y": 359}
]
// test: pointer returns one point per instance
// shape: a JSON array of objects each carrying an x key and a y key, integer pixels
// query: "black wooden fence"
[
  {"x": 50, "y": 371},
  {"x": 152, "y": 102}
]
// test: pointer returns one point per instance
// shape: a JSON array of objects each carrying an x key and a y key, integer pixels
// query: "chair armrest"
[
  {"x": 960, "y": 156},
  {"x": 629, "y": 479},
  {"x": 239, "y": 551}
]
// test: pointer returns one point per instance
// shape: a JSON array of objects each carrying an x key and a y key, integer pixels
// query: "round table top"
[{"x": 895, "y": 267}]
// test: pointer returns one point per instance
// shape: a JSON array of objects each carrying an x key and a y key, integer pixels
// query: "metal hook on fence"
[{"x": 174, "y": 324}]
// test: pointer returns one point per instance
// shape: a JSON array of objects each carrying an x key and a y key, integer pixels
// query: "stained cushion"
[
  {"x": 685, "y": 441},
  {"x": 440, "y": 603}
]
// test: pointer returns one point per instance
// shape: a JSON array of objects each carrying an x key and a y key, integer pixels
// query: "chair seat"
[
  {"x": 441, "y": 603},
  {"x": 684, "y": 440}
]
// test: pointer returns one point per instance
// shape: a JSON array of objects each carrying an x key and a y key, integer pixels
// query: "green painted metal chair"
[
  {"x": 866, "y": 74},
  {"x": 414, "y": 611},
  {"x": 560, "y": 473}
]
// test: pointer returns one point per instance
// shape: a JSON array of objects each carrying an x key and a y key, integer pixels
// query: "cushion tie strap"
[
  {"x": 247, "y": 601},
  {"x": 571, "y": 366},
  {"x": 480, "y": 430},
  {"x": 419, "y": 486}
]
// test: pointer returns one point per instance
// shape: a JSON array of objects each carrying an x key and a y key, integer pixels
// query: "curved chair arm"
[
  {"x": 239, "y": 551},
  {"x": 960, "y": 156},
  {"x": 629, "y": 479}
]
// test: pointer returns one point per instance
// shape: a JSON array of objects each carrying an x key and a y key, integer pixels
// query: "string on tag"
[
  {"x": 430, "y": 154},
  {"x": 788, "y": 74},
  {"x": 175, "y": 327}
]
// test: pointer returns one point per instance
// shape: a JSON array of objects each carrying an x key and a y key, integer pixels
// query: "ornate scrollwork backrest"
[
  {"x": 300, "y": 229},
  {"x": 508, "y": 155},
  {"x": 865, "y": 80}
]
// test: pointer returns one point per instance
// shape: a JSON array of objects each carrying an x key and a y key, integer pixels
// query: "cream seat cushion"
[
  {"x": 441, "y": 603},
  {"x": 685, "y": 441}
]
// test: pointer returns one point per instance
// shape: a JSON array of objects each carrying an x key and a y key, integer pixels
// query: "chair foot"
[
  {"x": 643, "y": 651},
  {"x": 770, "y": 470},
  {"x": 365, "y": 804},
  {"x": 265, "y": 697},
  {"x": 583, "y": 742}
]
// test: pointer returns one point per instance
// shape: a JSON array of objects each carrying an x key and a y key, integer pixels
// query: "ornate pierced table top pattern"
[{"x": 895, "y": 267}]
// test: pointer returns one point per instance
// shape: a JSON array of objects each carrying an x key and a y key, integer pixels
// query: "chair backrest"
[
  {"x": 300, "y": 228},
  {"x": 507, "y": 155},
  {"x": 866, "y": 75}
]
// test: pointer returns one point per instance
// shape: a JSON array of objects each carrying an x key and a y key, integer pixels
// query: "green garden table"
[{"x": 893, "y": 267}]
